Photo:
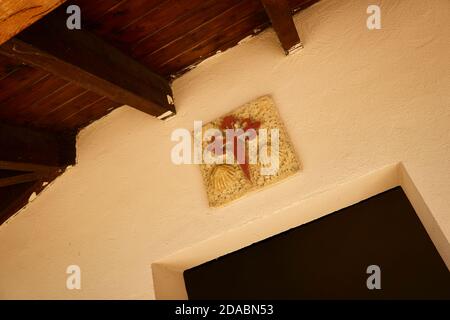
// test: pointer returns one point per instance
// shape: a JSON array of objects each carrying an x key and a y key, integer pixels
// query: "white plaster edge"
[
  {"x": 295, "y": 49},
  {"x": 168, "y": 278},
  {"x": 425, "y": 215},
  {"x": 33, "y": 197},
  {"x": 165, "y": 114}
]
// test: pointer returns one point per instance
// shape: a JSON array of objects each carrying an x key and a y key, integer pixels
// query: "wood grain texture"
[
  {"x": 16, "y": 15},
  {"x": 89, "y": 113},
  {"x": 280, "y": 14},
  {"x": 18, "y": 179},
  {"x": 220, "y": 41},
  {"x": 188, "y": 33},
  {"x": 81, "y": 57},
  {"x": 168, "y": 36}
]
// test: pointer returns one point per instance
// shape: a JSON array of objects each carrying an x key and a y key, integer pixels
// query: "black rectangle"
[{"x": 329, "y": 259}]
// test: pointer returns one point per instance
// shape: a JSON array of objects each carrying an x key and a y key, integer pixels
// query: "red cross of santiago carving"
[{"x": 232, "y": 122}]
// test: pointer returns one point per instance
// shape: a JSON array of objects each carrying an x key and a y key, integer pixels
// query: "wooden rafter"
[
  {"x": 25, "y": 149},
  {"x": 27, "y": 167},
  {"x": 30, "y": 157},
  {"x": 84, "y": 59},
  {"x": 21, "y": 199},
  {"x": 280, "y": 14},
  {"x": 18, "y": 179}
]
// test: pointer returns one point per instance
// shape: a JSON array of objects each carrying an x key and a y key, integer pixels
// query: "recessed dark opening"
[{"x": 328, "y": 259}]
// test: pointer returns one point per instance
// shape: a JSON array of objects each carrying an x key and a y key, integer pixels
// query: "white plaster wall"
[{"x": 353, "y": 101}]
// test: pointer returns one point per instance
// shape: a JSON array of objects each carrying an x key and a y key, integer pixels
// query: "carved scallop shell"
[{"x": 222, "y": 177}]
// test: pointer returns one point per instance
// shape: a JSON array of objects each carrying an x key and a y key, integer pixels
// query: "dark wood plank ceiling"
[
  {"x": 168, "y": 36},
  {"x": 28, "y": 158}
]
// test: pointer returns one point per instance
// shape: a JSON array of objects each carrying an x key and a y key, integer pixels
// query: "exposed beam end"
[
  {"x": 295, "y": 48},
  {"x": 280, "y": 14}
]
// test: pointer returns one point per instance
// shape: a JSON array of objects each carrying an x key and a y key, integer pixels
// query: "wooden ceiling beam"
[
  {"x": 280, "y": 14},
  {"x": 41, "y": 155},
  {"x": 84, "y": 59},
  {"x": 16, "y": 15},
  {"x": 25, "y": 149},
  {"x": 21, "y": 197},
  {"x": 26, "y": 167},
  {"x": 19, "y": 179}
]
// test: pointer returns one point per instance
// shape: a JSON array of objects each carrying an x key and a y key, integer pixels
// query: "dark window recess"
[{"x": 328, "y": 259}]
